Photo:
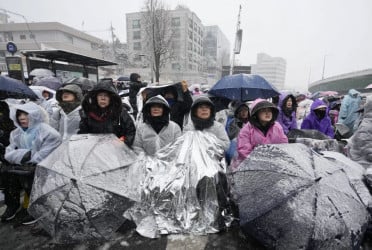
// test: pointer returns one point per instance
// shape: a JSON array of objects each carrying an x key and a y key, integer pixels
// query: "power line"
[{"x": 27, "y": 24}]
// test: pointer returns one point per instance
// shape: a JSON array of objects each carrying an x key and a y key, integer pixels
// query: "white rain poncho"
[{"x": 46, "y": 139}]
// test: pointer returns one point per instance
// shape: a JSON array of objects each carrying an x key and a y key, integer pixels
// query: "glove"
[{"x": 26, "y": 157}]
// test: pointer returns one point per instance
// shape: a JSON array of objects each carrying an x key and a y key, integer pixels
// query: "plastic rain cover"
[
  {"x": 182, "y": 188},
  {"x": 290, "y": 197},
  {"x": 80, "y": 191}
]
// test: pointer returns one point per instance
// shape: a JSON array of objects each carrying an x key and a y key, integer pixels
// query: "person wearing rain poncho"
[
  {"x": 31, "y": 142},
  {"x": 103, "y": 113},
  {"x": 262, "y": 128},
  {"x": 349, "y": 106},
  {"x": 202, "y": 116},
  {"x": 318, "y": 119},
  {"x": 184, "y": 189},
  {"x": 66, "y": 118},
  {"x": 43, "y": 102},
  {"x": 157, "y": 130},
  {"x": 287, "y": 112}
]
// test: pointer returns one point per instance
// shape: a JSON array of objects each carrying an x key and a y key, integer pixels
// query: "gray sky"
[{"x": 303, "y": 32}]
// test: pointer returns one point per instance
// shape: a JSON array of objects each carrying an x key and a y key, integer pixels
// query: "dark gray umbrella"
[
  {"x": 82, "y": 189},
  {"x": 48, "y": 81},
  {"x": 12, "y": 88},
  {"x": 85, "y": 84},
  {"x": 292, "y": 198}
]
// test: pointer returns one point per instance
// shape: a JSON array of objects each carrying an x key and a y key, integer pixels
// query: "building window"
[
  {"x": 22, "y": 37},
  {"x": 8, "y": 36},
  {"x": 32, "y": 36},
  {"x": 176, "y": 33},
  {"x": 137, "y": 46},
  {"x": 137, "y": 34},
  {"x": 190, "y": 34},
  {"x": 176, "y": 21},
  {"x": 190, "y": 46},
  {"x": 136, "y": 24}
]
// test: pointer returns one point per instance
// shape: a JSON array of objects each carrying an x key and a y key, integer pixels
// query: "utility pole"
[
  {"x": 153, "y": 41},
  {"x": 113, "y": 39},
  {"x": 324, "y": 61},
  {"x": 234, "y": 52}
]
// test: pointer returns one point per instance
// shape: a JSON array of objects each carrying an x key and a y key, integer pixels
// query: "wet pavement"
[{"x": 16, "y": 236}]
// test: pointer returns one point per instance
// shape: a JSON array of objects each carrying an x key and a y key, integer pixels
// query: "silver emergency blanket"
[
  {"x": 180, "y": 193},
  {"x": 81, "y": 189},
  {"x": 291, "y": 197}
]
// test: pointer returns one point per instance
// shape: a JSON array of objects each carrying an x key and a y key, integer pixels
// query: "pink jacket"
[{"x": 250, "y": 136}]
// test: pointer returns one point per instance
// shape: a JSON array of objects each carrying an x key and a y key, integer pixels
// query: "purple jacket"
[
  {"x": 288, "y": 122},
  {"x": 311, "y": 121}
]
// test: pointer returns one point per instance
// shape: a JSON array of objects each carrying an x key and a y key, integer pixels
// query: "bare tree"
[{"x": 158, "y": 34}]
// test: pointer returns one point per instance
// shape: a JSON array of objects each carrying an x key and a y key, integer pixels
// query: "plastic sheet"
[{"x": 182, "y": 190}]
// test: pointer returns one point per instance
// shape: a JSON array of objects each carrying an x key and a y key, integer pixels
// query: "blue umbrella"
[
  {"x": 243, "y": 87},
  {"x": 12, "y": 88}
]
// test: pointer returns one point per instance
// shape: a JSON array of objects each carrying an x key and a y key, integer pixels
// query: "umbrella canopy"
[
  {"x": 123, "y": 79},
  {"x": 81, "y": 190},
  {"x": 12, "y": 88},
  {"x": 243, "y": 87},
  {"x": 50, "y": 82},
  {"x": 39, "y": 72},
  {"x": 85, "y": 84},
  {"x": 293, "y": 198}
]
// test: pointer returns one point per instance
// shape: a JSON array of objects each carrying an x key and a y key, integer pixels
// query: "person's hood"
[
  {"x": 38, "y": 90},
  {"x": 353, "y": 93},
  {"x": 238, "y": 107},
  {"x": 283, "y": 99},
  {"x": 73, "y": 88},
  {"x": 90, "y": 100},
  {"x": 36, "y": 114},
  {"x": 203, "y": 100},
  {"x": 259, "y": 104},
  {"x": 158, "y": 99},
  {"x": 317, "y": 104}
]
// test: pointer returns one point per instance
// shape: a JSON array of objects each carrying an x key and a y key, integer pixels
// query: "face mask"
[{"x": 320, "y": 113}]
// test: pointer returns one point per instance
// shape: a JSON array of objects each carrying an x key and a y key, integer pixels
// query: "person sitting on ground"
[
  {"x": 262, "y": 128},
  {"x": 318, "y": 119},
  {"x": 178, "y": 108},
  {"x": 233, "y": 127},
  {"x": 102, "y": 113},
  {"x": 287, "y": 112},
  {"x": 157, "y": 130},
  {"x": 202, "y": 116},
  {"x": 31, "y": 142},
  {"x": 66, "y": 118}
]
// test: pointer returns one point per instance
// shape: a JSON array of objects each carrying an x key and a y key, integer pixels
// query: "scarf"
[
  {"x": 201, "y": 124},
  {"x": 69, "y": 106}
]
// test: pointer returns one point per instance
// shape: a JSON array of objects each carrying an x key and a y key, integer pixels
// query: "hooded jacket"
[
  {"x": 287, "y": 118},
  {"x": 311, "y": 121},
  {"x": 360, "y": 145},
  {"x": 147, "y": 139},
  {"x": 134, "y": 87},
  {"x": 235, "y": 124},
  {"x": 44, "y": 138},
  {"x": 251, "y": 136},
  {"x": 67, "y": 124},
  {"x": 216, "y": 128},
  {"x": 348, "y": 110},
  {"x": 114, "y": 119},
  {"x": 6, "y": 124}
]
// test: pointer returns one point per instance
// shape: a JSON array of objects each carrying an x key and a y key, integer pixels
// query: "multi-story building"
[
  {"x": 48, "y": 36},
  {"x": 273, "y": 69},
  {"x": 216, "y": 52},
  {"x": 188, "y": 60}
]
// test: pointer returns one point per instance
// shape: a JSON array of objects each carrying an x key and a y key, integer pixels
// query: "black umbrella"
[
  {"x": 123, "y": 79},
  {"x": 12, "y": 88},
  {"x": 85, "y": 84},
  {"x": 292, "y": 198},
  {"x": 82, "y": 189}
]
